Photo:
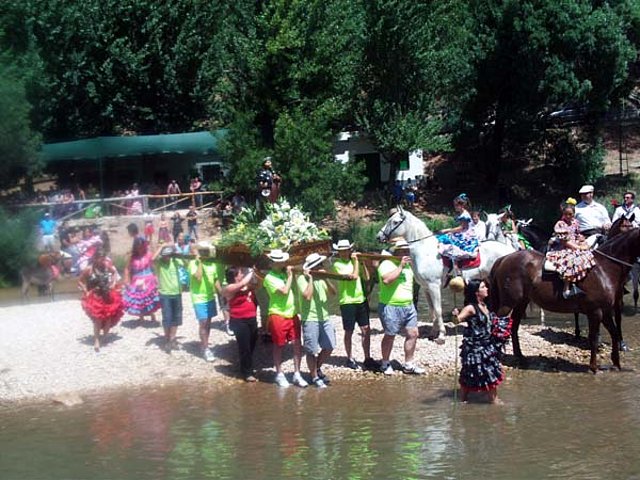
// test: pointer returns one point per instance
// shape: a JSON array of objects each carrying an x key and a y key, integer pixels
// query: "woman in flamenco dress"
[
  {"x": 483, "y": 343},
  {"x": 101, "y": 298},
  {"x": 141, "y": 297}
]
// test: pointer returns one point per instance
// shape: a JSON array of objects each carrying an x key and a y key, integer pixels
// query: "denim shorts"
[
  {"x": 318, "y": 336},
  {"x": 394, "y": 319},
  {"x": 171, "y": 306},
  {"x": 205, "y": 311}
]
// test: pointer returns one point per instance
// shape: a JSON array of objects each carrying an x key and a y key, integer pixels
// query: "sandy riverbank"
[{"x": 46, "y": 354}]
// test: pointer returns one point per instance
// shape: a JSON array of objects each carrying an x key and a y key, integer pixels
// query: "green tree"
[
  {"x": 18, "y": 142},
  {"x": 406, "y": 78},
  {"x": 298, "y": 93},
  {"x": 534, "y": 57}
]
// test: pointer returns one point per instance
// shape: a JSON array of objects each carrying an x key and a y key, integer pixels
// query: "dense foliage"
[
  {"x": 285, "y": 76},
  {"x": 17, "y": 239}
]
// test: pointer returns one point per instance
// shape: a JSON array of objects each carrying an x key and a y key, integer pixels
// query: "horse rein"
[
  {"x": 387, "y": 236},
  {"x": 617, "y": 260}
]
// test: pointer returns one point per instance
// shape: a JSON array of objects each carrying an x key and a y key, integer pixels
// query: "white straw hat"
[
  {"x": 278, "y": 255},
  {"x": 343, "y": 245},
  {"x": 313, "y": 260}
]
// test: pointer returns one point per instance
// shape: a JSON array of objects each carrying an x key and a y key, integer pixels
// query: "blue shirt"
[{"x": 48, "y": 226}]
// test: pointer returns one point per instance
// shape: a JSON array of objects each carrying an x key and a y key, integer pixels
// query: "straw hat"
[
  {"x": 400, "y": 244},
  {"x": 278, "y": 256},
  {"x": 342, "y": 245},
  {"x": 313, "y": 260},
  {"x": 207, "y": 248}
]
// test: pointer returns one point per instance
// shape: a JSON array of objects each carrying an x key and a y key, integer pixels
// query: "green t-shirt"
[
  {"x": 349, "y": 291},
  {"x": 398, "y": 293},
  {"x": 168, "y": 279},
  {"x": 314, "y": 310},
  {"x": 221, "y": 273},
  {"x": 279, "y": 304},
  {"x": 202, "y": 291}
]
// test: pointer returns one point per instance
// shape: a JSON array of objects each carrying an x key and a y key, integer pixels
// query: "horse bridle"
[{"x": 387, "y": 236}]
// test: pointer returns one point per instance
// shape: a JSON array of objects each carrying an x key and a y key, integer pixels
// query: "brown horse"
[{"x": 518, "y": 279}]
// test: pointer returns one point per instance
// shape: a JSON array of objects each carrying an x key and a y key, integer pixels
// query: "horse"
[
  {"x": 536, "y": 237},
  {"x": 427, "y": 265},
  {"x": 44, "y": 272},
  {"x": 518, "y": 279}
]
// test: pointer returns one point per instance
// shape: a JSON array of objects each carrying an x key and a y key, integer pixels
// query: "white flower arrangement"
[{"x": 283, "y": 227}]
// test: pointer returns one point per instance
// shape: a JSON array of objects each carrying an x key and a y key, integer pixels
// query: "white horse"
[
  {"x": 427, "y": 263},
  {"x": 494, "y": 232}
]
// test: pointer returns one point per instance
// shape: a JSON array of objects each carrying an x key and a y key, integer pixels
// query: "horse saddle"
[{"x": 462, "y": 263}]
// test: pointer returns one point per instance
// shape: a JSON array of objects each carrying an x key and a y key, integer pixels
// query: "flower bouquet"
[{"x": 284, "y": 227}]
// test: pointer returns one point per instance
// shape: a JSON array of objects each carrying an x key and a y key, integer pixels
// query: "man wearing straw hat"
[
  {"x": 284, "y": 323},
  {"x": 396, "y": 308},
  {"x": 317, "y": 331},
  {"x": 354, "y": 307}
]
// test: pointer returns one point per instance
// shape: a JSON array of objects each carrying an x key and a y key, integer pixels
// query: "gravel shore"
[{"x": 46, "y": 354}]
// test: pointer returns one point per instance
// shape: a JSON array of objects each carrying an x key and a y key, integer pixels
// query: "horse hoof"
[{"x": 439, "y": 341}]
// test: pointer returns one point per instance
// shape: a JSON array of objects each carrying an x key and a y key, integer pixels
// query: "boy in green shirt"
[
  {"x": 284, "y": 323},
  {"x": 354, "y": 307},
  {"x": 170, "y": 291},
  {"x": 317, "y": 331},
  {"x": 204, "y": 283}
]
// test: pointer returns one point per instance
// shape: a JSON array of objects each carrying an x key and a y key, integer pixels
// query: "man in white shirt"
[
  {"x": 628, "y": 209},
  {"x": 592, "y": 216}
]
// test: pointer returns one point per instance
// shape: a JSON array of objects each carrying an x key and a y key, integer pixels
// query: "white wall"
[{"x": 350, "y": 144}]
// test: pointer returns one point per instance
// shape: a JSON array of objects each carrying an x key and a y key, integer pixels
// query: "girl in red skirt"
[{"x": 101, "y": 300}]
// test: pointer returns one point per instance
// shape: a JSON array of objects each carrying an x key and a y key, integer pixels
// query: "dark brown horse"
[{"x": 518, "y": 279}]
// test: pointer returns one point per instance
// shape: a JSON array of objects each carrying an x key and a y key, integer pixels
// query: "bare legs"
[
  {"x": 297, "y": 356},
  {"x": 97, "y": 327},
  {"x": 365, "y": 331}
]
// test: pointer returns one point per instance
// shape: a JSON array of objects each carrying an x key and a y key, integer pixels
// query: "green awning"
[{"x": 196, "y": 144}]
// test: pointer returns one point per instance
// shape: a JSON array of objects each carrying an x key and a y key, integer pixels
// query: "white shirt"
[
  {"x": 623, "y": 210},
  {"x": 592, "y": 215},
  {"x": 481, "y": 230}
]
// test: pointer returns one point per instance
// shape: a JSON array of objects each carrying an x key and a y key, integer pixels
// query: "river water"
[{"x": 552, "y": 425}]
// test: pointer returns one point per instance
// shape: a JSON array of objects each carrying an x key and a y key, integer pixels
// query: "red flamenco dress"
[{"x": 102, "y": 303}]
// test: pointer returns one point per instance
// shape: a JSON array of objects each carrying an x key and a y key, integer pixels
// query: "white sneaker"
[
  {"x": 281, "y": 380},
  {"x": 318, "y": 382},
  {"x": 299, "y": 381},
  {"x": 387, "y": 369},
  {"x": 413, "y": 369},
  {"x": 208, "y": 355},
  {"x": 229, "y": 331}
]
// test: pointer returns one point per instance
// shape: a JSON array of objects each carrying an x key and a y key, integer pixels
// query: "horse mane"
[{"x": 416, "y": 228}]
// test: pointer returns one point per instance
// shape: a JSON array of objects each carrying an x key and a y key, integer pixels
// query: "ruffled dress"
[
  {"x": 141, "y": 296},
  {"x": 459, "y": 245},
  {"x": 572, "y": 265},
  {"x": 101, "y": 303},
  {"x": 482, "y": 347}
]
